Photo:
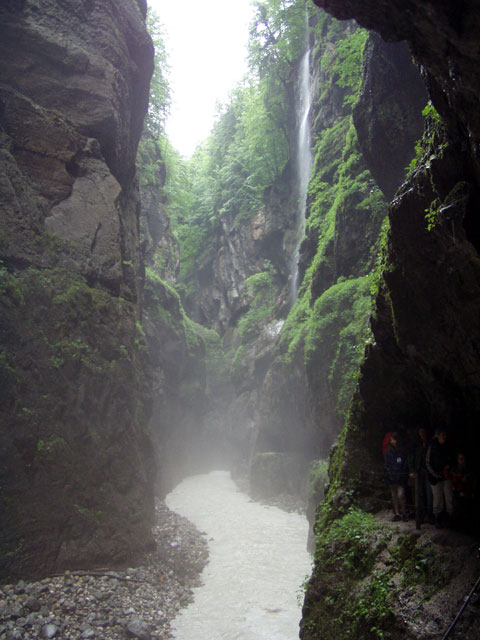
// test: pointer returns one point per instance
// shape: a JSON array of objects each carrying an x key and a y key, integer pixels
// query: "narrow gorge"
[{"x": 272, "y": 306}]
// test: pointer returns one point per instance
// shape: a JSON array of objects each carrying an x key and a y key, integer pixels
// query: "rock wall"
[
  {"x": 391, "y": 99},
  {"x": 241, "y": 250},
  {"x": 158, "y": 244},
  {"x": 76, "y": 459},
  {"x": 185, "y": 442},
  {"x": 307, "y": 391},
  {"x": 422, "y": 364},
  {"x": 294, "y": 379}
]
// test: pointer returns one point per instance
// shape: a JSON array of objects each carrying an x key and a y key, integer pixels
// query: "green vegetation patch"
[
  {"x": 346, "y": 544},
  {"x": 336, "y": 334},
  {"x": 78, "y": 337},
  {"x": 262, "y": 300},
  {"x": 346, "y": 597},
  {"x": 260, "y": 287},
  {"x": 420, "y": 565},
  {"x": 52, "y": 444},
  {"x": 318, "y": 476},
  {"x": 367, "y": 573},
  {"x": 348, "y": 64}
]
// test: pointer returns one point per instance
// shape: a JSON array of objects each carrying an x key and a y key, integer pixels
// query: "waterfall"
[{"x": 303, "y": 164}]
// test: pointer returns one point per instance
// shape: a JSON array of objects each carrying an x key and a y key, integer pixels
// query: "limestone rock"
[
  {"x": 422, "y": 367},
  {"x": 89, "y": 216},
  {"x": 387, "y": 115},
  {"x": 76, "y": 459}
]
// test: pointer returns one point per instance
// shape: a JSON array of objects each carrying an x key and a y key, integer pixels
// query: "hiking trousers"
[{"x": 443, "y": 490}]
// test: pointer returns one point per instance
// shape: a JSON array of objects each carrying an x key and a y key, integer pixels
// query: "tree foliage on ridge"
[{"x": 248, "y": 148}]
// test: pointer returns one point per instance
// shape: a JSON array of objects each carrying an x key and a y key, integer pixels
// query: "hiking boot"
[
  {"x": 405, "y": 518},
  {"x": 396, "y": 518}
]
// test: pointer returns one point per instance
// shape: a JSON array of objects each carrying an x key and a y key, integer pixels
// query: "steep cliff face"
[
  {"x": 76, "y": 462},
  {"x": 308, "y": 389},
  {"x": 391, "y": 99},
  {"x": 422, "y": 365},
  {"x": 186, "y": 371},
  {"x": 156, "y": 237},
  {"x": 426, "y": 338},
  {"x": 240, "y": 250}
]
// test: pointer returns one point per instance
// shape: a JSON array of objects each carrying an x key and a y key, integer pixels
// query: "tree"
[{"x": 159, "y": 105}]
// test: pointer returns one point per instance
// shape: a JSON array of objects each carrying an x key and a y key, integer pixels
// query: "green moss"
[
  {"x": 73, "y": 300},
  {"x": 293, "y": 331},
  {"x": 370, "y": 612},
  {"x": 92, "y": 516},
  {"x": 419, "y": 565},
  {"x": 434, "y": 128},
  {"x": 197, "y": 357},
  {"x": 347, "y": 542},
  {"x": 346, "y": 552},
  {"x": 262, "y": 292},
  {"x": 318, "y": 476},
  {"x": 193, "y": 336},
  {"x": 367, "y": 565},
  {"x": 165, "y": 306},
  {"x": 77, "y": 335},
  {"x": 348, "y": 65},
  {"x": 336, "y": 334},
  {"x": 338, "y": 52},
  {"x": 51, "y": 444},
  {"x": 238, "y": 367}
]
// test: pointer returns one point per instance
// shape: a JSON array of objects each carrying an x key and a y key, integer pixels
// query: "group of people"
[{"x": 429, "y": 474}]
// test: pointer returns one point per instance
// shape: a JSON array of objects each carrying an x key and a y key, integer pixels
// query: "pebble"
[
  {"x": 138, "y": 602},
  {"x": 136, "y": 628}
]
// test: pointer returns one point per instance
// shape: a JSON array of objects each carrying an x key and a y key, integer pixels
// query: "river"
[{"x": 258, "y": 561}]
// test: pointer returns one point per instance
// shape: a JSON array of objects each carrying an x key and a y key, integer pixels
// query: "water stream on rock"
[
  {"x": 303, "y": 163},
  {"x": 258, "y": 560}
]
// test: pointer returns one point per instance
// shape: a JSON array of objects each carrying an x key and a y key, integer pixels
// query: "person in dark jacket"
[
  {"x": 418, "y": 471},
  {"x": 462, "y": 484},
  {"x": 396, "y": 469},
  {"x": 438, "y": 461}
]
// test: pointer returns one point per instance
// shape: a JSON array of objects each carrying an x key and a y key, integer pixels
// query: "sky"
[{"x": 207, "y": 47}]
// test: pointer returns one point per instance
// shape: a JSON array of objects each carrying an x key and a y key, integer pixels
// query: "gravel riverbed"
[{"x": 102, "y": 604}]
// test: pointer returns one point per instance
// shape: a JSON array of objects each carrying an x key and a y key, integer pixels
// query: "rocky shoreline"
[{"x": 102, "y": 604}]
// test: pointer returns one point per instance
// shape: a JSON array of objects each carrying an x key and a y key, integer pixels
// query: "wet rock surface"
[
  {"x": 137, "y": 602},
  {"x": 76, "y": 461}
]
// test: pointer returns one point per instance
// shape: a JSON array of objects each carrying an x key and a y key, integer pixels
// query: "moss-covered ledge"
[{"x": 379, "y": 580}]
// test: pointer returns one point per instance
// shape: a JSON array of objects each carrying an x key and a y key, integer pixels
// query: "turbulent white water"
[{"x": 258, "y": 561}]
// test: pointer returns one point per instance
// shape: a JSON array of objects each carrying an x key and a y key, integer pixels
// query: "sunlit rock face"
[{"x": 76, "y": 464}]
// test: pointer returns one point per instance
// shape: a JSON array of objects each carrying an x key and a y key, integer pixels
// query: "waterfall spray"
[{"x": 303, "y": 164}]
